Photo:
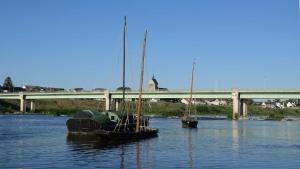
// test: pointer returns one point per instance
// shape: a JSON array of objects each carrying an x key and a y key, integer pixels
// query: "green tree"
[{"x": 8, "y": 84}]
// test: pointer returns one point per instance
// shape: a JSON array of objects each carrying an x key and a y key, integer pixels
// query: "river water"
[{"x": 41, "y": 142}]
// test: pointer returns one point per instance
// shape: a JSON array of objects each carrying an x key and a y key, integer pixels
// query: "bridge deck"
[{"x": 205, "y": 94}]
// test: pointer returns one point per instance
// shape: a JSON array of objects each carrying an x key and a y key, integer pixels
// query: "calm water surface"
[{"x": 41, "y": 142}]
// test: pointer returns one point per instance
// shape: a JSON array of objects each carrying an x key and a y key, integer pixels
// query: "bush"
[
  {"x": 276, "y": 116},
  {"x": 213, "y": 110}
]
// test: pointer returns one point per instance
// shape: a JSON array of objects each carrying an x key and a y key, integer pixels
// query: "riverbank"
[{"x": 161, "y": 109}]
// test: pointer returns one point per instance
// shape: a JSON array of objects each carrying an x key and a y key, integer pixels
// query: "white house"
[{"x": 290, "y": 105}]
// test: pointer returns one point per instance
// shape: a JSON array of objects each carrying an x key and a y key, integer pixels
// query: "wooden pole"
[
  {"x": 191, "y": 90},
  {"x": 124, "y": 53},
  {"x": 138, "y": 114}
]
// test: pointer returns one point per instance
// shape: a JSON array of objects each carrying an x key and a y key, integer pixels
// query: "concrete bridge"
[{"x": 238, "y": 97}]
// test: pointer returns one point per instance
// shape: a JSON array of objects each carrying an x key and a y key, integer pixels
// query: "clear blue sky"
[{"x": 77, "y": 43}]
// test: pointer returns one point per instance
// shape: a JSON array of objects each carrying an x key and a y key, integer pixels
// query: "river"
[{"x": 39, "y": 141}]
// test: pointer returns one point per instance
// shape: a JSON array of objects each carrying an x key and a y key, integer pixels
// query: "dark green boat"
[
  {"x": 88, "y": 121},
  {"x": 115, "y": 125},
  {"x": 189, "y": 122}
]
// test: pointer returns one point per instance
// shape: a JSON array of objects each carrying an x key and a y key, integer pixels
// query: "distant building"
[
  {"x": 78, "y": 89},
  {"x": 194, "y": 101},
  {"x": 7, "y": 90},
  {"x": 153, "y": 85},
  {"x": 215, "y": 102},
  {"x": 279, "y": 105},
  {"x": 127, "y": 89},
  {"x": 18, "y": 89},
  {"x": 99, "y": 90},
  {"x": 162, "y": 89},
  {"x": 264, "y": 105},
  {"x": 291, "y": 104},
  {"x": 31, "y": 88}
]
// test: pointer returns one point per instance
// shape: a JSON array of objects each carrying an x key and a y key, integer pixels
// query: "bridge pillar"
[
  {"x": 32, "y": 106},
  {"x": 244, "y": 108},
  {"x": 235, "y": 103},
  {"x": 22, "y": 103},
  {"x": 117, "y": 102},
  {"x": 107, "y": 96}
]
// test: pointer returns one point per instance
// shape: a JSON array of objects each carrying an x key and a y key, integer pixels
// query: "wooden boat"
[
  {"x": 187, "y": 120},
  {"x": 141, "y": 131},
  {"x": 90, "y": 121}
]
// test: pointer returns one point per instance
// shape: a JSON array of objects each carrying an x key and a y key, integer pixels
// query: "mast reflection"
[
  {"x": 122, "y": 166},
  {"x": 190, "y": 149},
  {"x": 138, "y": 156}
]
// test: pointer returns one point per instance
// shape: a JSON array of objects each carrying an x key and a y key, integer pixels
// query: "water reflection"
[
  {"x": 122, "y": 157},
  {"x": 235, "y": 135},
  {"x": 93, "y": 141},
  {"x": 138, "y": 154},
  {"x": 190, "y": 148},
  {"x": 83, "y": 143}
]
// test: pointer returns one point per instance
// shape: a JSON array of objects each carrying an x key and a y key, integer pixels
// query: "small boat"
[
  {"x": 187, "y": 120},
  {"x": 141, "y": 130}
]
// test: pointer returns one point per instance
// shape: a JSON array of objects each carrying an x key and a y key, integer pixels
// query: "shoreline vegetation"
[{"x": 161, "y": 109}]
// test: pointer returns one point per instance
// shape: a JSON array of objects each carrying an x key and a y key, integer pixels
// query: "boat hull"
[
  {"x": 82, "y": 125},
  {"x": 189, "y": 123}
]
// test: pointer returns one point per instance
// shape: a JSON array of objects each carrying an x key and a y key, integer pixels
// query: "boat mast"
[
  {"x": 138, "y": 114},
  {"x": 191, "y": 90},
  {"x": 124, "y": 43}
]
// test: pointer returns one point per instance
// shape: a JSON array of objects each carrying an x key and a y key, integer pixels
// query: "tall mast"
[
  {"x": 138, "y": 114},
  {"x": 191, "y": 89},
  {"x": 124, "y": 48}
]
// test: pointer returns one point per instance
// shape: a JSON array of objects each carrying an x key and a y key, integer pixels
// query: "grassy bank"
[
  {"x": 9, "y": 106},
  {"x": 52, "y": 107},
  {"x": 68, "y": 107},
  {"x": 256, "y": 111}
]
